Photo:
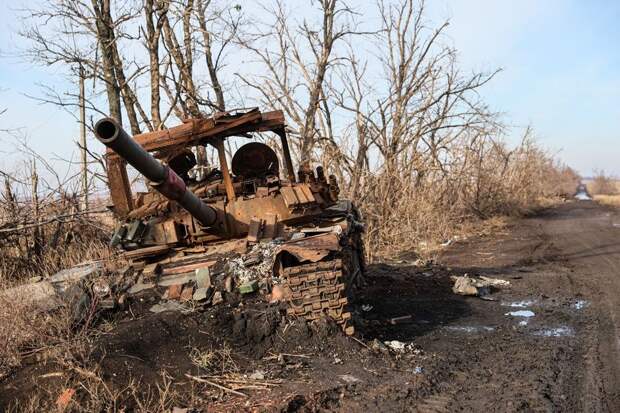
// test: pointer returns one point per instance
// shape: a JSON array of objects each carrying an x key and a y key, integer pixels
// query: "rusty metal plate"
[{"x": 313, "y": 248}]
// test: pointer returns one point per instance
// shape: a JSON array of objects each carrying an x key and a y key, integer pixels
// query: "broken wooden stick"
[{"x": 210, "y": 383}]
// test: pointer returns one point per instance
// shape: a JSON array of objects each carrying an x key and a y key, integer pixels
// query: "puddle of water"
[
  {"x": 580, "y": 304},
  {"x": 519, "y": 304},
  {"x": 469, "y": 329},
  {"x": 563, "y": 331},
  {"x": 582, "y": 196},
  {"x": 521, "y": 313}
]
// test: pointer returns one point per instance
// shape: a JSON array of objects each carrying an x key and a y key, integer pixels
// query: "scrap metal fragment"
[
  {"x": 167, "y": 306},
  {"x": 176, "y": 279},
  {"x": 202, "y": 293},
  {"x": 76, "y": 273},
  {"x": 187, "y": 293},
  {"x": 401, "y": 320},
  {"x": 217, "y": 298},
  {"x": 313, "y": 248},
  {"x": 249, "y": 287},
  {"x": 178, "y": 269},
  {"x": 174, "y": 292}
]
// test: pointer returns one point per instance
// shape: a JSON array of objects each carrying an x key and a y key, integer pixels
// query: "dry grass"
[
  {"x": 604, "y": 189},
  {"x": 603, "y": 184},
  {"x": 214, "y": 361},
  {"x": 93, "y": 395},
  {"x": 66, "y": 346},
  {"x": 611, "y": 200}
]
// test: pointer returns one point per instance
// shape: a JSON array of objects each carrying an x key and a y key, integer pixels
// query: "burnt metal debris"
[{"x": 203, "y": 230}]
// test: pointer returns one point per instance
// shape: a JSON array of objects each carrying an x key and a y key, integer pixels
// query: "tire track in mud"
[
  {"x": 437, "y": 403},
  {"x": 586, "y": 249},
  {"x": 566, "y": 253},
  {"x": 598, "y": 275}
]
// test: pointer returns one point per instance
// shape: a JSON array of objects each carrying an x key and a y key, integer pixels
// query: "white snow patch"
[
  {"x": 519, "y": 304},
  {"x": 563, "y": 331},
  {"x": 521, "y": 313},
  {"x": 469, "y": 329}
]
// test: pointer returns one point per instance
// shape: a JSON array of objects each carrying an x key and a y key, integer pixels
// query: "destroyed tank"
[{"x": 195, "y": 215}]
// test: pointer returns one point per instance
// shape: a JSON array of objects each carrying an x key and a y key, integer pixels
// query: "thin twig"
[
  {"x": 52, "y": 219},
  {"x": 360, "y": 341},
  {"x": 226, "y": 389}
]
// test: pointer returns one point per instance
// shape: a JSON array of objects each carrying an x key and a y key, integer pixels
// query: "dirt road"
[
  {"x": 564, "y": 267},
  {"x": 548, "y": 342}
]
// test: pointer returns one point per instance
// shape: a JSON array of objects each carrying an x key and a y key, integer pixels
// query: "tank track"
[{"x": 319, "y": 290}]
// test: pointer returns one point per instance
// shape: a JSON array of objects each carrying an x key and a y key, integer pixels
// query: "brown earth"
[{"x": 466, "y": 354}]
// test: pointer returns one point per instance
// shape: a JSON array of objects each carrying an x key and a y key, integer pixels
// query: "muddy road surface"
[{"x": 549, "y": 342}]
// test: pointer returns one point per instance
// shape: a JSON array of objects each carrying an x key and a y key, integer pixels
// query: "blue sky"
[{"x": 560, "y": 61}]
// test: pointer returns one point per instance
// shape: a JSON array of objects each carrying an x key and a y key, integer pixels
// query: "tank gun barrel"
[{"x": 165, "y": 180}]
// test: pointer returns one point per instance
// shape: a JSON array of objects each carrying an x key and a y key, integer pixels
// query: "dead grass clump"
[
  {"x": 214, "y": 361},
  {"x": 603, "y": 184},
  {"x": 59, "y": 335},
  {"x": 90, "y": 393},
  {"x": 611, "y": 200}
]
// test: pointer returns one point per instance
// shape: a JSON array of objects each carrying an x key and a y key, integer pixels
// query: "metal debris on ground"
[
  {"x": 478, "y": 287},
  {"x": 348, "y": 378},
  {"x": 255, "y": 265},
  {"x": 240, "y": 229},
  {"x": 377, "y": 345},
  {"x": 399, "y": 346},
  {"x": 168, "y": 306},
  {"x": 404, "y": 319},
  {"x": 66, "y": 287},
  {"x": 217, "y": 298},
  {"x": 248, "y": 287}
]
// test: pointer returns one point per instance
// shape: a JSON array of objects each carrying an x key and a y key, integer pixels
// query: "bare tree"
[
  {"x": 381, "y": 102},
  {"x": 93, "y": 35},
  {"x": 153, "y": 22},
  {"x": 297, "y": 57},
  {"x": 428, "y": 100}
]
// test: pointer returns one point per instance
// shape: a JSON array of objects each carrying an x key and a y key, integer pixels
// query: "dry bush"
[
  {"x": 603, "y": 184},
  {"x": 56, "y": 335},
  {"x": 42, "y": 232},
  {"x": 483, "y": 181}
]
